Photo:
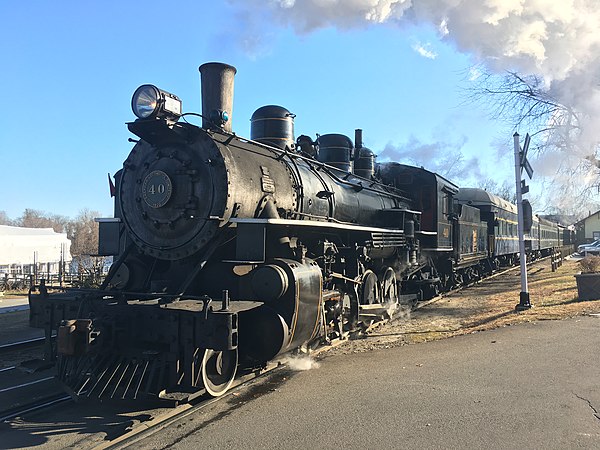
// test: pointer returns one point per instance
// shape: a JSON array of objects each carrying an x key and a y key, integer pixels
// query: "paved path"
[
  {"x": 527, "y": 386},
  {"x": 14, "y": 324},
  {"x": 11, "y": 304}
]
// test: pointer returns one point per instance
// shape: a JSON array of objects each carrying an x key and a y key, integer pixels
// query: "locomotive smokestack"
[
  {"x": 217, "y": 95},
  {"x": 357, "y": 143},
  {"x": 358, "y": 138}
]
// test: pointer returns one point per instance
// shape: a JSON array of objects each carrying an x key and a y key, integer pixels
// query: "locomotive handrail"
[{"x": 301, "y": 223}]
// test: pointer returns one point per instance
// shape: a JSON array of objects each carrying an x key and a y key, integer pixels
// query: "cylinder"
[
  {"x": 217, "y": 95},
  {"x": 269, "y": 282},
  {"x": 336, "y": 150},
  {"x": 273, "y": 125}
]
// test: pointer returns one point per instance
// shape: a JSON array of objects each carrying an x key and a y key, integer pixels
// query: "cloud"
[
  {"x": 424, "y": 50},
  {"x": 557, "y": 40},
  {"x": 443, "y": 157}
]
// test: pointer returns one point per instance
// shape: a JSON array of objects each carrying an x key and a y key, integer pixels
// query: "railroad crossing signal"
[
  {"x": 527, "y": 168},
  {"x": 523, "y": 154}
]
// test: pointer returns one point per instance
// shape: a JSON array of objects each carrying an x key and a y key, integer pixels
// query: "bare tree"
[
  {"x": 33, "y": 218},
  {"x": 83, "y": 233},
  {"x": 521, "y": 101},
  {"x": 4, "y": 219},
  {"x": 505, "y": 190},
  {"x": 527, "y": 104}
]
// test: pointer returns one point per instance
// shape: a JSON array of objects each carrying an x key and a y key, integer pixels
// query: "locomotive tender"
[{"x": 230, "y": 251}]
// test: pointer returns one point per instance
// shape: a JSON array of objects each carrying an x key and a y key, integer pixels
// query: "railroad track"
[
  {"x": 36, "y": 388},
  {"x": 21, "y": 345},
  {"x": 159, "y": 422},
  {"x": 33, "y": 392}
]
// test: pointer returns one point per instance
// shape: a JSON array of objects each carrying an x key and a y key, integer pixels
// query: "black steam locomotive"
[{"x": 228, "y": 251}]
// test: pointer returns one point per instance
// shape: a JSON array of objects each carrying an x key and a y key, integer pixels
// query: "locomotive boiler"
[{"x": 227, "y": 251}]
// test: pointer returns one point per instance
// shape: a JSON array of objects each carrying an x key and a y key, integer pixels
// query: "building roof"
[
  {"x": 20, "y": 245},
  {"x": 6, "y": 230},
  {"x": 584, "y": 219}
]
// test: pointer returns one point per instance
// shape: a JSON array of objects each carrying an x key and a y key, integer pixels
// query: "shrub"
[{"x": 590, "y": 264}]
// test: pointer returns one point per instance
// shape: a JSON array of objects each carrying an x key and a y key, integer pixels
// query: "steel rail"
[
  {"x": 30, "y": 383},
  {"x": 149, "y": 428},
  {"x": 35, "y": 406},
  {"x": 20, "y": 345}
]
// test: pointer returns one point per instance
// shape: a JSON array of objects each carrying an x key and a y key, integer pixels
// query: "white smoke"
[
  {"x": 553, "y": 38},
  {"x": 300, "y": 362},
  {"x": 558, "y": 40},
  {"x": 443, "y": 157}
]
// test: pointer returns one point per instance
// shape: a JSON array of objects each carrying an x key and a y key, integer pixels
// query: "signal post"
[{"x": 520, "y": 164}]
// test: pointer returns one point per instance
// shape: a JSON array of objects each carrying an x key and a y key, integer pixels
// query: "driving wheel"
[{"x": 218, "y": 370}]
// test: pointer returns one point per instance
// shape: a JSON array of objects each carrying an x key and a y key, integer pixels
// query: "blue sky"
[{"x": 70, "y": 67}]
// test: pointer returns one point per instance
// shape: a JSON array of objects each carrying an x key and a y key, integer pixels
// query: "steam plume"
[
  {"x": 558, "y": 40},
  {"x": 300, "y": 362},
  {"x": 445, "y": 158}
]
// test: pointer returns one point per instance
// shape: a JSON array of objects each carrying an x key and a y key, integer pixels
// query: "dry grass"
[
  {"x": 487, "y": 305},
  {"x": 552, "y": 294}
]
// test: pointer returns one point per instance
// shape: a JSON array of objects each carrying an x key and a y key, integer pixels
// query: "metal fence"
[{"x": 20, "y": 282}]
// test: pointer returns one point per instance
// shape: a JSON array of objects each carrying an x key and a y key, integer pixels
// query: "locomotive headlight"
[{"x": 151, "y": 102}]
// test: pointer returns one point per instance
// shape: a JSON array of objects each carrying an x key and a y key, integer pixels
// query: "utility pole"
[
  {"x": 520, "y": 163},
  {"x": 61, "y": 264}
]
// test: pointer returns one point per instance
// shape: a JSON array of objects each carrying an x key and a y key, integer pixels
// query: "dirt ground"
[{"x": 486, "y": 305}]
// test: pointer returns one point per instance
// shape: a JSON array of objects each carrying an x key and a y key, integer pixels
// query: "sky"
[{"x": 395, "y": 68}]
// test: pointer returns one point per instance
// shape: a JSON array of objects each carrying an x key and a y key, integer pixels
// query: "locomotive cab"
[{"x": 433, "y": 196}]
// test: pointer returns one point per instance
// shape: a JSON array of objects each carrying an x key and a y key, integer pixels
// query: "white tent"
[{"x": 22, "y": 246}]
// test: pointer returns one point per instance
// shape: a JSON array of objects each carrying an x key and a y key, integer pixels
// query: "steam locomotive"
[{"x": 231, "y": 251}]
